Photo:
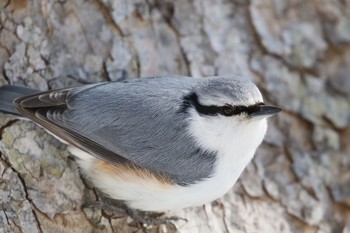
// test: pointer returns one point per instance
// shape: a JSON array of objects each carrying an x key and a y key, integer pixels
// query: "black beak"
[{"x": 265, "y": 110}]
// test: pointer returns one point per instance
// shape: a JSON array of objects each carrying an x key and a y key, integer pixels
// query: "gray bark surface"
[{"x": 297, "y": 52}]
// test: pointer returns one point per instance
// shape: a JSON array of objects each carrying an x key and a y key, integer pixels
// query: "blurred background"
[{"x": 296, "y": 51}]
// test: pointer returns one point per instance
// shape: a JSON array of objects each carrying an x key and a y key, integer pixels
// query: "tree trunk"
[{"x": 297, "y": 52}]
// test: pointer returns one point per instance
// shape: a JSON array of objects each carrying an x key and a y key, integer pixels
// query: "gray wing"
[{"x": 136, "y": 122}]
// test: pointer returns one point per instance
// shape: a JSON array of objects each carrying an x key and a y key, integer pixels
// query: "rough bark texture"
[{"x": 298, "y": 53}]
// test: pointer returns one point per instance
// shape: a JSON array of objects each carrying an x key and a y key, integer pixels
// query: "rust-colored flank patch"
[{"x": 134, "y": 173}]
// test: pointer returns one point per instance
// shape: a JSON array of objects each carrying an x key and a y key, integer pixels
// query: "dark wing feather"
[
  {"x": 45, "y": 99},
  {"x": 38, "y": 106}
]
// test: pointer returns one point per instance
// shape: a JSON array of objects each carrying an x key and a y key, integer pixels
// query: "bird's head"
[{"x": 227, "y": 110}]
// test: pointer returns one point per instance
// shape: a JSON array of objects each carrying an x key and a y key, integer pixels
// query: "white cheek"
[{"x": 220, "y": 132}]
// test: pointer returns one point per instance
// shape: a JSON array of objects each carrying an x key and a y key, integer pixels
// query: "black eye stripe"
[
  {"x": 192, "y": 100},
  {"x": 247, "y": 109},
  {"x": 240, "y": 109},
  {"x": 226, "y": 110}
]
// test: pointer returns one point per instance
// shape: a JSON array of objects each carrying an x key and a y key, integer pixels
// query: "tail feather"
[{"x": 8, "y": 94}]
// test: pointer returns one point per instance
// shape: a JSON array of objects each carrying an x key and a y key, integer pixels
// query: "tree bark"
[{"x": 297, "y": 52}]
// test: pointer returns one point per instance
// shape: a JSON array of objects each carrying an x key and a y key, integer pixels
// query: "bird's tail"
[{"x": 8, "y": 94}]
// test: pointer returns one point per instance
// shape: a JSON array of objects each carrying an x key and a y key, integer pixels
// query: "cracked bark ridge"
[{"x": 297, "y": 52}]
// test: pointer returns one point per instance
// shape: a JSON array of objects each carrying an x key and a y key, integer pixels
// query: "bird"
[{"x": 155, "y": 143}]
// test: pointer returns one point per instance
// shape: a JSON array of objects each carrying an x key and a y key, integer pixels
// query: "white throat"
[{"x": 235, "y": 141}]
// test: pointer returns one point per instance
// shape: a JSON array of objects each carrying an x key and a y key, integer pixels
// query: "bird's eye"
[{"x": 227, "y": 110}]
